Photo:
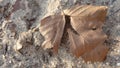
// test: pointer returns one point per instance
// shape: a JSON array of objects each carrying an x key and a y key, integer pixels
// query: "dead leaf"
[
  {"x": 52, "y": 28},
  {"x": 86, "y": 36},
  {"x": 24, "y": 38},
  {"x": 85, "y": 42},
  {"x": 86, "y": 17},
  {"x": 88, "y": 21},
  {"x": 97, "y": 54}
]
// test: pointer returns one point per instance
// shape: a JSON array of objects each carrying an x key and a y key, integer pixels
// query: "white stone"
[{"x": 118, "y": 64}]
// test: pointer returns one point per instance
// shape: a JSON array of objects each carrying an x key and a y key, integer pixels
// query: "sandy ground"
[{"x": 18, "y": 17}]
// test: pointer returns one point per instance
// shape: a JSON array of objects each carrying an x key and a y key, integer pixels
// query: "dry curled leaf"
[
  {"x": 24, "y": 37},
  {"x": 85, "y": 34},
  {"x": 52, "y": 29}
]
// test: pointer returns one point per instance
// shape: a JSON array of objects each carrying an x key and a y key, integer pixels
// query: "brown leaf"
[
  {"x": 87, "y": 21},
  {"x": 86, "y": 17},
  {"x": 85, "y": 42},
  {"x": 84, "y": 10},
  {"x": 97, "y": 54},
  {"x": 52, "y": 29},
  {"x": 85, "y": 34}
]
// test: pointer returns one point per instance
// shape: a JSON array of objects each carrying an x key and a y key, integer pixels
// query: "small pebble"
[
  {"x": 118, "y": 64},
  {"x": 118, "y": 51},
  {"x": 10, "y": 61},
  {"x": 4, "y": 57},
  {"x": 107, "y": 63}
]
